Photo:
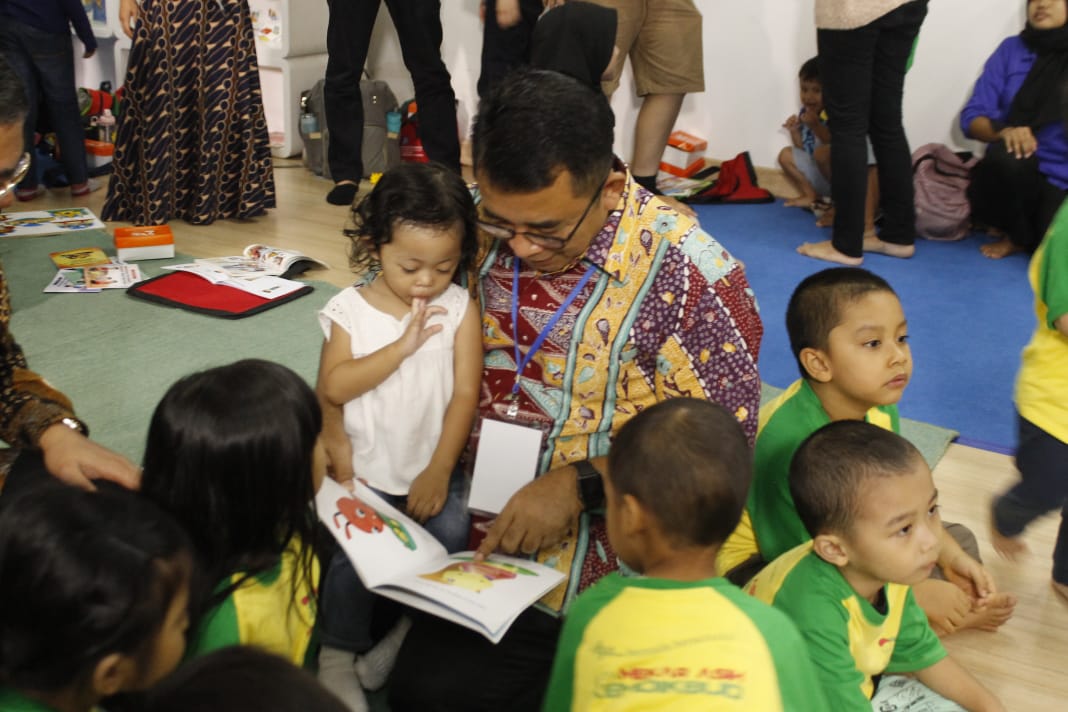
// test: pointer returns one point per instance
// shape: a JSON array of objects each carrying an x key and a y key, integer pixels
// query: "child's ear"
[
  {"x": 831, "y": 549},
  {"x": 634, "y": 519},
  {"x": 112, "y": 674},
  {"x": 816, "y": 364}
]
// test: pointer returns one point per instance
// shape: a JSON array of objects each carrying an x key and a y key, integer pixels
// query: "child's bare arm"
[
  {"x": 343, "y": 377},
  {"x": 949, "y": 679},
  {"x": 793, "y": 125},
  {"x": 426, "y": 496}
]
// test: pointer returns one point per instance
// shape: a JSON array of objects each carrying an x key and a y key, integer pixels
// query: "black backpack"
[{"x": 377, "y": 153}]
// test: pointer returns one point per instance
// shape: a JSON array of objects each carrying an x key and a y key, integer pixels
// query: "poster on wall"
[{"x": 96, "y": 11}]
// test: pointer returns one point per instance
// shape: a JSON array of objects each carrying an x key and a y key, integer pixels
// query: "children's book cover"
[
  {"x": 112, "y": 276},
  {"x": 69, "y": 281},
  {"x": 397, "y": 558},
  {"x": 48, "y": 222},
  {"x": 79, "y": 257}
]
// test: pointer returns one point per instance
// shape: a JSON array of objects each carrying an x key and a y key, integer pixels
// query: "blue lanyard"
[{"x": 522, "y": 364}]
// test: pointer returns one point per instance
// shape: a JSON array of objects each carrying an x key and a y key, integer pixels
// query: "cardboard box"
[
  {"x": 98, "y": 153},
  {"x": 152, "y": 242},
  {"x": 684, "y": 154}
]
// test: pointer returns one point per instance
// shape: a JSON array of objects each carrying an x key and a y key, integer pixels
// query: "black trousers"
[
  {"x": 445, "y": 668},
  {"x": 348, "y": 37},
  {"x": 504, "y": 49},
  {"x": 1011, "y": 194},
  {"x": 1043, "y": 487},
  {"x": 863, "y": 75}
]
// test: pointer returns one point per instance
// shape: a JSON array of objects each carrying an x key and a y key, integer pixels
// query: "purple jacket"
[{"x": 1003, "y": 75}]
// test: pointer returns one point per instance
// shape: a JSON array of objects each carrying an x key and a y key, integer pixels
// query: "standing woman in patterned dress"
[{"x": 192, "y": 139}]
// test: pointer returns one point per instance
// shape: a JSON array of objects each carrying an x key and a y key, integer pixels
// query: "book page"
[{"x": 382, "y": 543}]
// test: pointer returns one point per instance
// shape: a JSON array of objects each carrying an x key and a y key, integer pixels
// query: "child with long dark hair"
[
  {"x": 231, "y": 453},
  {"x": 95, "y": 596},
  {"x": 403, "y": 358}
]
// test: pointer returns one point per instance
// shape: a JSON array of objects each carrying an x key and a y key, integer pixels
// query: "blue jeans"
[
  {"x": 347, "y": 606},
  {"x": 44, "y": 62}
]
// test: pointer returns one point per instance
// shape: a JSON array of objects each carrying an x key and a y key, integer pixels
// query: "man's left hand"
[
  {"x": 538, "y": 515},
  {"x": 76, "y": 460}
]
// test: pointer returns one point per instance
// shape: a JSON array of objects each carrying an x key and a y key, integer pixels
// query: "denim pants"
[
  {"x": 863, "y": 75},
  {"x": 44, "y": 62},
  {"x": 347, "y": 607},
  {"x": 1043, "y": 464},
  {"x": 348, "y": 37}
]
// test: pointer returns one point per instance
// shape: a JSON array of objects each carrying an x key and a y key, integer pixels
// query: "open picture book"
[
  {"x": 398, "y": 559},
  {"x": 264, "y": 261}
]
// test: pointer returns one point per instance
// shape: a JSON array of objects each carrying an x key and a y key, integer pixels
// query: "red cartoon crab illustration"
[{"x": 357, "y": 514}]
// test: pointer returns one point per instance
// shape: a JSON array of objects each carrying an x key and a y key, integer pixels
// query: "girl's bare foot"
[
  {"x": 1002, "y": 248},
  {"x": 826, "y": 251},
  {"x": 872, "y": 243},
  {"x": 1061, "y": 589},
  {"x": 802, "y": 201}
]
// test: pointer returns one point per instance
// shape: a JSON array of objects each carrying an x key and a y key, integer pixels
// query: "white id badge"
[{"x": 507, "y": 459}]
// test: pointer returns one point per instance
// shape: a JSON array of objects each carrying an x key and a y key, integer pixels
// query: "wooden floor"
[{"x": 1026, "y": 663}]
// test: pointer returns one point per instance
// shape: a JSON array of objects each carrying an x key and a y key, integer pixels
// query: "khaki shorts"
[{"x": 663, "y": 40}]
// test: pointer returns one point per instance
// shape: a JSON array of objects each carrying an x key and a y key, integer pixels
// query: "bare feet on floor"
[
  {"x": 826, "y": 251},
  {"x": 991, "y": 614},
  {"x": 1002, "y": 248},
  {"x": 826, "y": 219},
  {"x": 1061, "y": 589},
  {"x": 801, "y": 201},
  {"x": 872, "y": 243}
]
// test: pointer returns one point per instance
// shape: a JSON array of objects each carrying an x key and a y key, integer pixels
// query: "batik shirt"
[
  {"x": 631, "y": 643},
  {"x": 667, "y": 313}
]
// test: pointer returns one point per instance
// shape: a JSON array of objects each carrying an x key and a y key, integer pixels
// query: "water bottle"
[
  {"x": 393, "y": 127},
  {"x": 309, "y": 125}
]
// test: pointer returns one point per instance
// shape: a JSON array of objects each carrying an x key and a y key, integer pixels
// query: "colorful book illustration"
[
  {"x": 79, "y": 257},
  {"x": 69, "y": 281},
  {"x": 262, "y": 286},
  {"x": 263, "y": 261},
  {"x": 112, "y": 276},
  {"x": 48, "y": 222},
  {"x": 398, "y": 559}
]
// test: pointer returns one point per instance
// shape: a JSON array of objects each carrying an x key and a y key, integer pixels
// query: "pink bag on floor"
[{"x": 940, "y": 180}]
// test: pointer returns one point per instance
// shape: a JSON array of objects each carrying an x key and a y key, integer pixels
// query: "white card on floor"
[{"x": 507, "y": 459}]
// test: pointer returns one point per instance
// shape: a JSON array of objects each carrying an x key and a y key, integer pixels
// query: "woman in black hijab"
[
  {"x": 576, "y": 39},
  {"x": 1016, "y": 108}
]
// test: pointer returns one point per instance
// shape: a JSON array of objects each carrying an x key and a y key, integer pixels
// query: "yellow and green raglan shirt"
[
  {"x": 12, "y": 700},
  {"x": 770, "y": 525},
  {"x": 262, "y": 611},
  {"x": 648, "y": 643},
  {"x": 1042, "y": 384},
  {"x": 849, "y": 639}
]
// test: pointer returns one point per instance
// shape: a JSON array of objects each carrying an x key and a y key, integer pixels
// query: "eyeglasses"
[
  {"x": 549, "y": 242},
  {"x": 17, "y": 174}
]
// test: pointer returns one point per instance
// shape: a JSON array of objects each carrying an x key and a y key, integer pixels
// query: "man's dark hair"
[
  {"x": 13, "y": 104},
  {"x": 810, "y": 70},
  {"x": 535, "y": 124},
  {"x": 828, "y": 471},
  {"x": 686, "y": 461},
  {"x": 817, "y": 303}
]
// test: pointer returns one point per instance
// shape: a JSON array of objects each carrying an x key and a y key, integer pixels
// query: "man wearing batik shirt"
[{"x": 598, "y": 300}]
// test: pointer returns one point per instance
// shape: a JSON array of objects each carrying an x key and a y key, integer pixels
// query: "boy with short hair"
[
  {"x": 867, "y": 498},
  {"x": 849, "y": 335},
  {"x": 810, "y": 142},
  {"x": 677, "y": 637}
]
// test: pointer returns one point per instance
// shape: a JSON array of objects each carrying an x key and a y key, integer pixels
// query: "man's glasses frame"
[{"x": 549, "y": 242}]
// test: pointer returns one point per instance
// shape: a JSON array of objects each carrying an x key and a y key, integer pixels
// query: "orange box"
[
  {"x": 684, "y": 154},
  {"x": 98, "y": 153},
  {"x": 152, "y": 242}
]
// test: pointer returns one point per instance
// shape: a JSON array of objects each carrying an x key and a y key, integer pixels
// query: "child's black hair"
[
  {"x": 240, "y": 679},
  {"x": 83, "y": 575},
  {"x": 424, "y": 194},
  {"x": 828, "y": 471},
  {"x": 817, "y": 303},
  {"x": 687, "y": 461},
  {"x": 229, "y": 454},
  {"x": 810, "y": 70}
]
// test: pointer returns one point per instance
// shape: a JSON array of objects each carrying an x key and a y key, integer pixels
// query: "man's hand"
[
  {"x": 538, "y": 515},
  {"x": 76, "y": 460},
  {"x": 426, "y": 496},
  {"x": 89, "y": 53}
]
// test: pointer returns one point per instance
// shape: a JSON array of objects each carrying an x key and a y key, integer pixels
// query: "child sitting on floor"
[
  {"x": 849, "y": 335},
  {"x": 233, "y": 454},
  {"x": 678, "y": 635},
  {"x": 806, "y": 161},
  {"x": 1042, "y": 411},
  {"x": 403, "y": 357},
  {"x": 94, "y": 599},
  {"x": 867, "y": 498}
]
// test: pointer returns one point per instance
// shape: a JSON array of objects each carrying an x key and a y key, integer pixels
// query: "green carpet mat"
[{"x": 115, "y": 356}]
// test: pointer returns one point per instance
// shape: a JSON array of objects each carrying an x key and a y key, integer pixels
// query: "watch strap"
[{"x": 590, "y": 485}]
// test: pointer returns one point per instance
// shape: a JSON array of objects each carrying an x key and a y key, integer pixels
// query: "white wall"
[{"x": 752, "y": 51}]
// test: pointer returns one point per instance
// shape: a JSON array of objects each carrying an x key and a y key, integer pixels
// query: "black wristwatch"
[{"x": 590, "y": 485}]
